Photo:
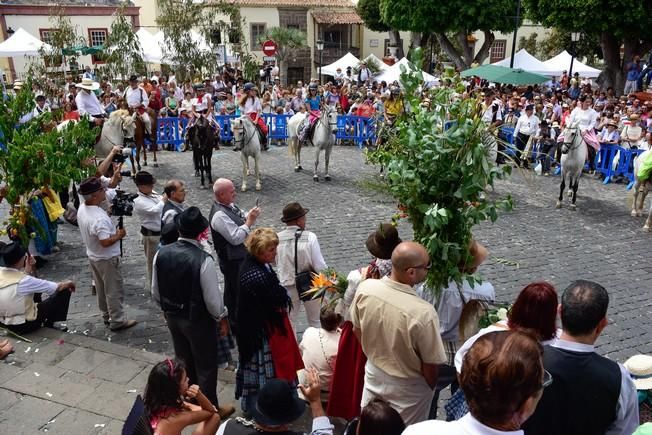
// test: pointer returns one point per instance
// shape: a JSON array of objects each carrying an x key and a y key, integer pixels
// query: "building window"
[
  {"x": 97, "y": 37},
  {"x": 47, "y": 36},
  {"x": 333, "y": 38},
  {"x": 257, "y": 31},
  {"x": 497, "y": 51},
  {"x": 386, "y": 46}
]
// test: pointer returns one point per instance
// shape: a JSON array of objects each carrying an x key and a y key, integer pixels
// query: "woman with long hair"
[{"x": 251, "y": 106}]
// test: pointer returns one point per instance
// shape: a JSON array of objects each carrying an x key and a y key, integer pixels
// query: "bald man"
[
  {"x": 399, "y": 333},
  {"x": 229, "y": 228}
]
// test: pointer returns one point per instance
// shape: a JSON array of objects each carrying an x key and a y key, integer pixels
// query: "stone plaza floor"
[{"x": 88, "y": 377}]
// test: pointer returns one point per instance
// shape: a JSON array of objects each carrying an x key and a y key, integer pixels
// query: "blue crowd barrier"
[
  {"x": 358, "y": 129},
  {"x": 171, "y": 130},
  {"x": 604, "y": 162},
  {"x": 277, "y": 125}
]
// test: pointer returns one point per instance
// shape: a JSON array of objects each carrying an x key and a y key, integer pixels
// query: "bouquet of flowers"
[{"x": 328, "y": 285}]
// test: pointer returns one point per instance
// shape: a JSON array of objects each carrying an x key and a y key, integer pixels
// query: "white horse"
[
  {"x": 245, "y": 135},
  {"x": 294, "y": 147},
  {"x": 642, "y": 187},
  {"x": 119, "y": 127},
  {"x": 574, "y": 152},
  {"x": 323, "y": 138}
]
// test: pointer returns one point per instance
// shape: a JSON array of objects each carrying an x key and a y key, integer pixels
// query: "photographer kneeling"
[
  {"x": 148, "y": 206},
  {"x": 102, "y": 241}
]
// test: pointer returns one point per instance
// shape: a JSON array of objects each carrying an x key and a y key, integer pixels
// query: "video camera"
[{"x": 123, "y": 203}]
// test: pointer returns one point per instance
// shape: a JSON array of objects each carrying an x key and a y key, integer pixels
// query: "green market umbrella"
[
  {"x": 75, "y": 49},
  {"x": 501, "y": 74}
]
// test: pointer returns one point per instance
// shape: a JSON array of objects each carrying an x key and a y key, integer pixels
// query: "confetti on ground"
[
  {"x": 48, "y": 394},
  {"x": 36, "y": 350},
  {"x": 150, "y": 341},
  {"x": 85, "y": 332},
  {"x": 28, "y": 349},
  {"x": 52, "y": 421},
  {"x": 132, "y": 391},
  {"x": 37, "y": 374},
  {"x": 108, "y": 338},
  {"x": 100, "y": 425},
  {"x": 506, "y": 262},
  {"x": 60, "y": 341}
]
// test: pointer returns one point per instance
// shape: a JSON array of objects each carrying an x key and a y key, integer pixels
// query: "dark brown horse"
[{"x": 139, "y": 138}]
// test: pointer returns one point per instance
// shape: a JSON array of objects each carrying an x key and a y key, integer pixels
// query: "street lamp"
[
  {"x": 575, "y": 36},
  {"x": 518, "y": 18},
  {"x": 320, "y": 48}
]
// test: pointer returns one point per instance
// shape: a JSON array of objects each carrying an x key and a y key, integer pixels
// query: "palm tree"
[{"x": 287, "y": 40}]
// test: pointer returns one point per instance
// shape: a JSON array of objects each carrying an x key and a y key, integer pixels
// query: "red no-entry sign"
[{"x": 269, "y": 48}]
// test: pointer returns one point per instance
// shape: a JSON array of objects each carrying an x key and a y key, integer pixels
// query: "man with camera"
[
  {"x": 102, "y": 241},
  {"x": 148, "y": 206}
]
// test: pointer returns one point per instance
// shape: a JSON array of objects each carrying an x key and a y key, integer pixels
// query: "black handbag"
[{"x": 302, "y": 280}]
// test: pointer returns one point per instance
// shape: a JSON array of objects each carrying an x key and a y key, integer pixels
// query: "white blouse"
[{"x": 586, "y": 119}]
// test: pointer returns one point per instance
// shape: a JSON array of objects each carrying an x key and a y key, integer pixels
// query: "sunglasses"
[{"x": 547, "y": 379}]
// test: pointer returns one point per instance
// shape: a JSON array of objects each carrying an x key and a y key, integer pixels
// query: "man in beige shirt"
[{"x": 399, "y": 333}]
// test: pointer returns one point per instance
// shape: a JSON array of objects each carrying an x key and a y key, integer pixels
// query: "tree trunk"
[
  {"x": 612, "y": 76},
  {"x": 448, "y": 48},
  {"x": 467, "y": 51},
  {"x": 489, "y": 38},
  {"x": 395, "y": 40}
]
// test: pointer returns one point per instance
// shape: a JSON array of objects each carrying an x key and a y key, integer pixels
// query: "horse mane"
[{"x": 118, "y": 114}]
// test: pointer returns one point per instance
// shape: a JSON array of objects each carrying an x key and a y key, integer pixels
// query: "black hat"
[
  {"x": 277, "y": 404},
  {"x": 529, "y": 107},
  {"x": 144, "y": 178},
  {"x": 12, "y": 253},
  {"x": 40, "y": 98},
  {"x": 169, "y": 233},
  {"x": 90, "y": 185},
  {"x": 133, "y": 78},
  {"x": 191, "y": 222},
  {"x": 293, "y": 211},
  {"x": 382, "y": 242}
]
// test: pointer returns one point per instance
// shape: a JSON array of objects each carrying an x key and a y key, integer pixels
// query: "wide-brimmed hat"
[
  {"x": 640, "y": 368},
  {"x": 612, "y": 123},
  {"x": 278, "y": 404},
  {"x": 381, "y": 243},
  {"x": 293, "y": 211},
  {"x": 169, "y": 233},
  {"x": 555, "y": 124},
  {"x": 144, "y": 178},
  {"x": 90, "y": 185},
  {"x": 18, "y": 86},
  {"x": 12, "y": 253},
  {"x": 191, "y": 222},
  {"x": 89, "y": 84}
]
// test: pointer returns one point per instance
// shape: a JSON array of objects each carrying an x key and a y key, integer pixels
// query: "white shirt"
[
  {"x": 30, "y": 285},
  {"x": 148, "y": 208},
  {"x": 309, "y": 255},
  {"x": 320, "y": 426},
  {"x": 586, "y": 119},
  {"x": 231, "y": 232},
  {"x": 88, "y": 104},
  {"x": 136, "y": 97},
  {"x": 200, "y": 106},
  {"x": 627, "y": 418},
  {"x": 466, "y": 425},
  {"x": 252, "y": 106},
  {"x": 488, "y": 115},
  {"x": 319, "y": 351},
  {"x": 450, "y": 305},
  {"x": 210, "y": 289},
  {"x": 171, "y": 213},
  {"x": 96, "y": 225},
  {"x": 527, "y": 125}
]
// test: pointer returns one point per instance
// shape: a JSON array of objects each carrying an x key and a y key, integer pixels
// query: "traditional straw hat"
[
  {"x": 89, "y": 84},
  {"x": 640, "y": 367}
]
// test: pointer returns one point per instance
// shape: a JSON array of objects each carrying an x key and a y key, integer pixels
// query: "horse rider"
[
  {"x": 88, "y": 105},
  {"x": 202, "y": 105},
  {"x": 313, "y": 104},
  {"x": 137, "y": 100},
  {"x": 251, "y": 106}
]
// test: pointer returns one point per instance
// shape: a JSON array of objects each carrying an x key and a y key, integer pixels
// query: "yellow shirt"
[
  {"x": 394, "y": 107},
  {"x": 398, "y": 330}
]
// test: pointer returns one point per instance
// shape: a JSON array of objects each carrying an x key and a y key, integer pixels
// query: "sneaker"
[{"x": 124, "y": 325}]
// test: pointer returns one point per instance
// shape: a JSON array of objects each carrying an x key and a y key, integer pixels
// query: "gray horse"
[
  {"x": 246, "y": 137},
  {"x": 642, "y": 188},
  {"x": 323, "y": 138},
  {"x": 574, "y": 152}
]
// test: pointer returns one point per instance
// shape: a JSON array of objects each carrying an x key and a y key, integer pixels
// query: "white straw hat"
[
  {"x": 640, "y": 367},
  {"x": 89, "y": 84}
]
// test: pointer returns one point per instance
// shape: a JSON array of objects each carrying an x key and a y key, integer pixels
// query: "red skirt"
[
  {"x": 261, "y": 122},
  {"x": 286, "y": 355},
  {"x": 348, "y": 377}
]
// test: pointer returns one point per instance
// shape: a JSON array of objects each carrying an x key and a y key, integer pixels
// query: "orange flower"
[{"x": 320, "y": 281}]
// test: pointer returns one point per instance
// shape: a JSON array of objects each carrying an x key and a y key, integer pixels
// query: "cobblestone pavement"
[{"x": 599, "y": 241}]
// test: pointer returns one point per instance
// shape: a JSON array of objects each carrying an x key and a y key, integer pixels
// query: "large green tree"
[
  {"x": 459, "y": 17},
  {"x": 618, "y": 23},
  {"x": 287, "y": 40},
  {"x": 369, "y": 11},
  {"x": 124, "y": 55}
]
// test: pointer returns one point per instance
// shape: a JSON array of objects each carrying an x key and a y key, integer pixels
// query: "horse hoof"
[
  {"x": 196, "y": 173},
  {"x": 315, "y": 178},
  {"x": 646, "y": 228},
  {"x": 639, "y": 213},
  {"x": 155, "y": 165},
  {"x": 145, "y": 163},
  {"x": 259, "y": 187},
  {"x": 244, "y": 188},
  {"x": 558, "y": 205},
  {"x": 327, "y": 178},
  {"x": 297, "y": 169},
  {"x": 573, "y": 207},
  {"x": 139, "y": 167},
  {"x": 300, "y": 168},
  {"x": 634, "y": 213}
]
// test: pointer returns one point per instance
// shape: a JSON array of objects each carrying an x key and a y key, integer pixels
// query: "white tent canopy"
[
  {"x": 393, "y": 73},
  {"x": 347, "y": 60},
  {"x": 152, "y": 52},
  {"x": 21, "y": 43},
  {"x": 562, "y": 61},
  {"x": 529, "y": 63}
]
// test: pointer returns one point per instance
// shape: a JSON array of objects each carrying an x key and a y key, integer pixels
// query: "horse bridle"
[
  {"x": 569, "y": 145},
  {"x": 244, "y": 140}
]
